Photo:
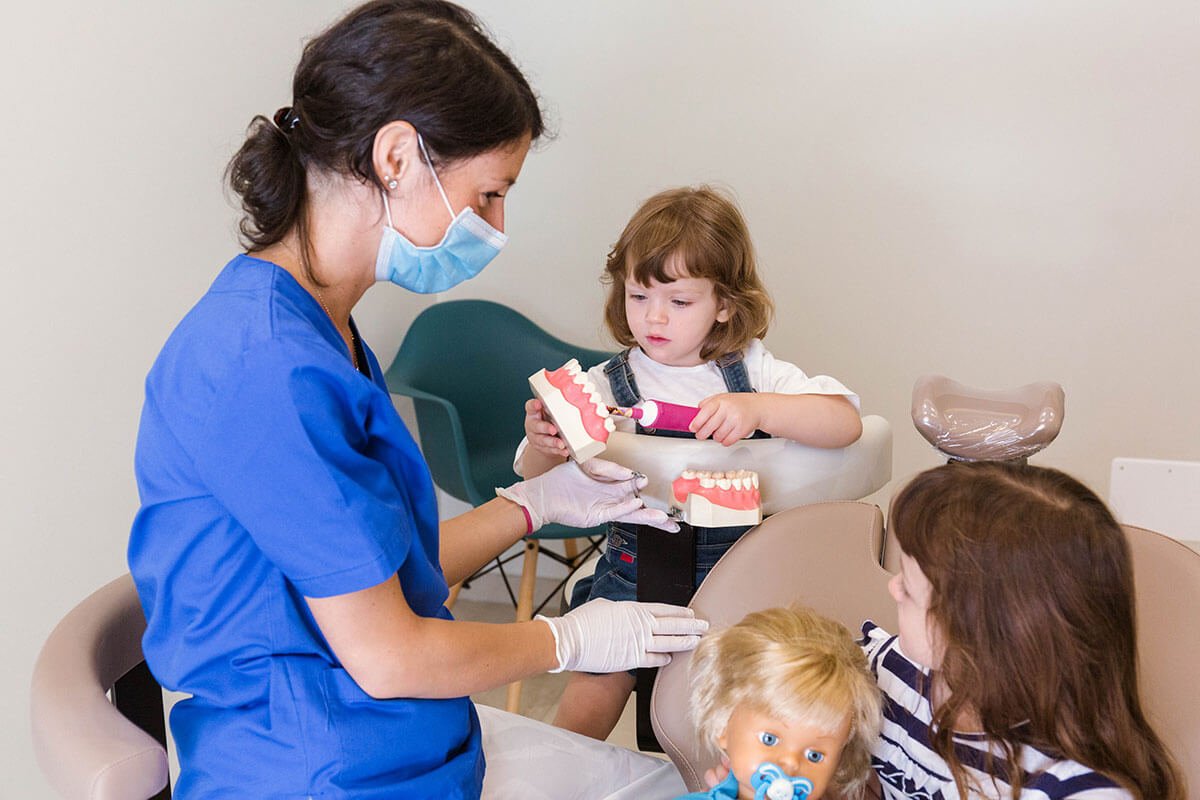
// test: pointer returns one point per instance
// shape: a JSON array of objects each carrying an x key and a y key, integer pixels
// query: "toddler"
[{"x": 686, "y": 300}]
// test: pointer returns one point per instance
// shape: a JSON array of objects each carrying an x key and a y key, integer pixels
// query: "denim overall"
[{"x": 615, "y": 577}]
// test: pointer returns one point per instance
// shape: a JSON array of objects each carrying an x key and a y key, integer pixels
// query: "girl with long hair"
[{"x": 1014, "y": 673}]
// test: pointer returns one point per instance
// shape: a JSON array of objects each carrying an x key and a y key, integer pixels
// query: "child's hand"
[
  {"x": 541, "y": 433},
  {"x": 727, "y": 418}
]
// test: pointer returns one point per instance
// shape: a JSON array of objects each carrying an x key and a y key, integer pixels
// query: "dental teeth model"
[
  {"x": 717, "y": 499},
  {"x": 575, "y": 407}
]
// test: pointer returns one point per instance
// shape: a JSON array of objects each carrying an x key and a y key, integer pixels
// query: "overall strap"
[
  {"x": 737, "y": 379},
  {"x": 621, "y": 380},
  {"x": 733, "y": 370}
]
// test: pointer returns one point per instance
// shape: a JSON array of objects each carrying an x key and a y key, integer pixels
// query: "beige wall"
[
  {"x": 1002, "y": 192},
  {"x": 999, "y": 192}
]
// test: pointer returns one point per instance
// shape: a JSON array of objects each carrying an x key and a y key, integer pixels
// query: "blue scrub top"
[{"x": 269, "y": 469}]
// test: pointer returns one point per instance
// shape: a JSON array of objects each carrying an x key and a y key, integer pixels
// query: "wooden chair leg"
[
  {"x": 571, "y": 548},
  {"x": 524, "y": 612},
  {"x": 453, "y": 598}
]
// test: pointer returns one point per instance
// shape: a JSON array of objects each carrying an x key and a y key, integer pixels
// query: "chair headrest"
[{"x": 980, "y": 425}]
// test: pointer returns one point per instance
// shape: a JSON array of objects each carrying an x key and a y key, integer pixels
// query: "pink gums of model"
[
  {"x": 717, "y": 499},
  {"x": 574, "y": 406}
]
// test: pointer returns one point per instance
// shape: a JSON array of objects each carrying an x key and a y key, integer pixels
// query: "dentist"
[{"x": 287, "y": 550}]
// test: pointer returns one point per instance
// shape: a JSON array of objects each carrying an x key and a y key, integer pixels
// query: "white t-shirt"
[
  {"x": 909, "y": 769},
  {"x": 690, "y": 385}
]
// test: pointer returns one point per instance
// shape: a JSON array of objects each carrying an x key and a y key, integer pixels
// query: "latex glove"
[
  {"x": 583, "y": 497},
  {"x": 606, "y": 636}
]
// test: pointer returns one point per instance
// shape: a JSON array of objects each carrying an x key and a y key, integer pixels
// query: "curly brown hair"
[{"x": 701, "y": 231}]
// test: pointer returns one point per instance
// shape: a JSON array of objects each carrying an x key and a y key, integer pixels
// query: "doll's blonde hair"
[{"x": 794, "y": 664}]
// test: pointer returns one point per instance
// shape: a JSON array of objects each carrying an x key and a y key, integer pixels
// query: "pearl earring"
[{"x": 391, "y": 182}]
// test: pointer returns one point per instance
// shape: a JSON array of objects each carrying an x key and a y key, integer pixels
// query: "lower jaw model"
[{"x": 717, "y": 499}]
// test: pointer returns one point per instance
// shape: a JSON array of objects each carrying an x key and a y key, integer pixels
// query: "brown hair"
[
  {"x": 428, "y": 62},
  {"x": 1032, "y": 595},
  {"x": 795, "y": 664},
  {"x": 701, "y": 231}
]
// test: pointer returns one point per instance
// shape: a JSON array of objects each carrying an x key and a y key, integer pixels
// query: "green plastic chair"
[{"x": 466, "y": 365}]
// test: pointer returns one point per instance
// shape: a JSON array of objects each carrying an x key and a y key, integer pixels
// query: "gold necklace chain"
[{"x": 353, "y": 338}]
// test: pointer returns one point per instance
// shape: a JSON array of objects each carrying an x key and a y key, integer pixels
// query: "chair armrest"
[
  {"x": 792, "y": 474},
  {"x": 85, "y": 746}
]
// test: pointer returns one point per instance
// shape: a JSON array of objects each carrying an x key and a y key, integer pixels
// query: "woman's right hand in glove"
[{"x": 606, "y": 636}]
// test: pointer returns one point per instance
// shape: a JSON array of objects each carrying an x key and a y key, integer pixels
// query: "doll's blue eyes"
[{"x": 770, "y": 740}]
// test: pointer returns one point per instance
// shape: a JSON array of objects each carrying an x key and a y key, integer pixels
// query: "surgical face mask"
[{"x": 469, "y": 244}]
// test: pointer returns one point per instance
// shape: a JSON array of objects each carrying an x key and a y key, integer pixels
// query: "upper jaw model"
[
  {"x": 575, "y": 407},
  {"x": 717, "y": 499}
]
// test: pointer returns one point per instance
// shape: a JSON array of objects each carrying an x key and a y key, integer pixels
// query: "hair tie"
[{"x": 286, "y": 119}]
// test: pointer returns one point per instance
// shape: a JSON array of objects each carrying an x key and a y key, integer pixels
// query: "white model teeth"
[
  {"x": 572, "y": 367},
  {"x": 609, "y": 425},
  {"x": 742, "y": 479}
]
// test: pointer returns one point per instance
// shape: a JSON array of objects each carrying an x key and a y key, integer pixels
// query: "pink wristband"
[{"x": 528, "y": 520}]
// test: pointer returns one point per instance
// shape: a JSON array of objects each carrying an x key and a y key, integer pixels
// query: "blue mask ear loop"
[{"x": 429, "y": 163}]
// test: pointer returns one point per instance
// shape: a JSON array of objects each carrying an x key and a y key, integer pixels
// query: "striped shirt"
[{"x": 908, "y": 768}]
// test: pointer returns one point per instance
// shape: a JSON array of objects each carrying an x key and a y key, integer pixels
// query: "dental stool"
[
  {"x": 824, "y": 556},
  {"x": 968, "y": 424},
  {"x": 801, "y": 475},
  {"x": 790, "y": 475}
]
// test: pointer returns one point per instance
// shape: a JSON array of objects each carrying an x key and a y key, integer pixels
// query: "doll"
[{"x": 786, "y": 696}]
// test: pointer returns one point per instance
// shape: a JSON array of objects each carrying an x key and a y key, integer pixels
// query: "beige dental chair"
[
  {"x": 91, "y": 748},
  {"x": 1166, "y": 575},
  {"x": 827, "y": 556}
]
